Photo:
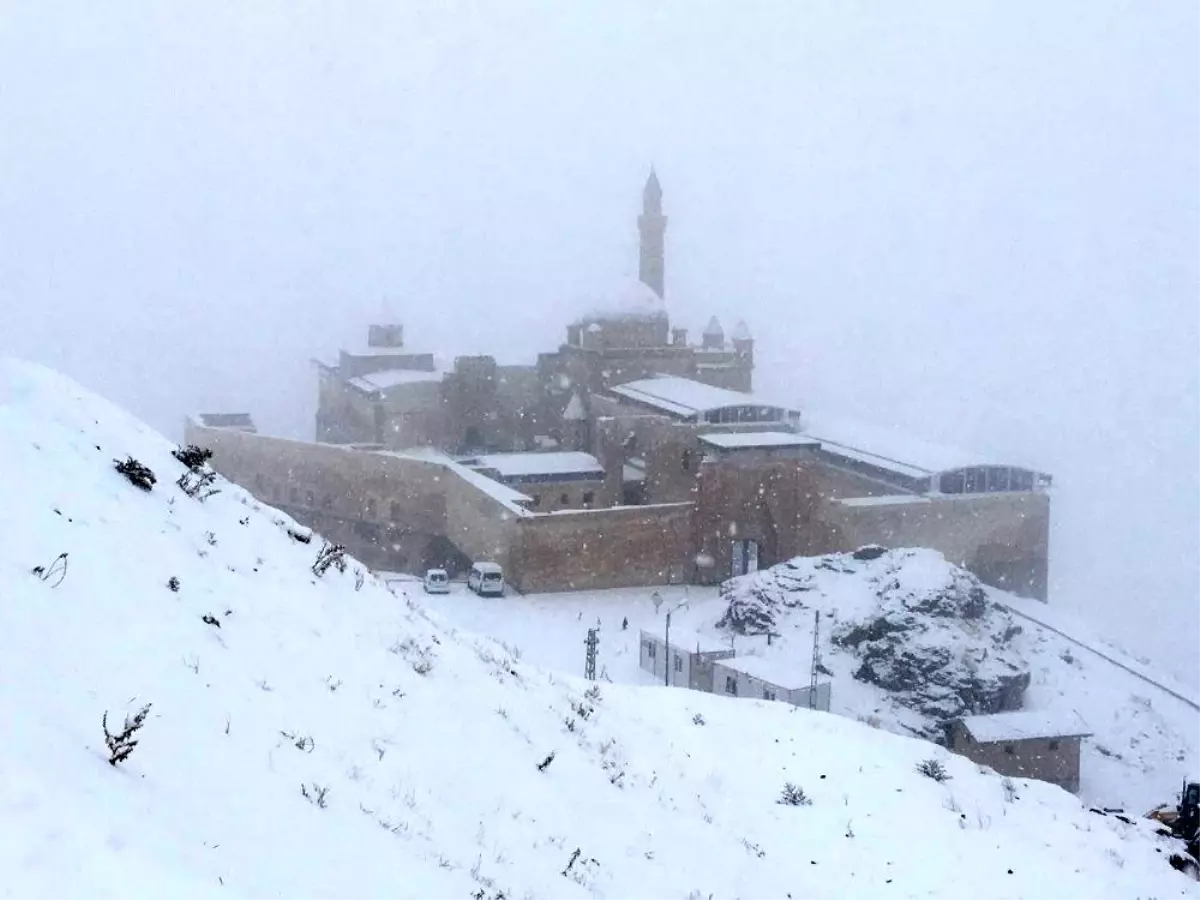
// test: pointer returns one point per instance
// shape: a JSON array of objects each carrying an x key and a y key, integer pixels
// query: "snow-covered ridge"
[{"x": 322, "y": 736}]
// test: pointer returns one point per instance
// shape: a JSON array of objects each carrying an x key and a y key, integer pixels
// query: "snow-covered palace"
[{"x": 629, "y": 455}]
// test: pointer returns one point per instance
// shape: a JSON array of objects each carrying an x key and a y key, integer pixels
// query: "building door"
[{"x": 745, "y": 557}]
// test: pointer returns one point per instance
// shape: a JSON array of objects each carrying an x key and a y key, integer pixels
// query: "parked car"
[
  {"x": 486, "y": 579},
  {"x": 437, "y": 581}
]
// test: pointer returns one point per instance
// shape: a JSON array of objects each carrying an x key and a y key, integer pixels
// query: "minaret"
[{"x": 653, "y": 227}]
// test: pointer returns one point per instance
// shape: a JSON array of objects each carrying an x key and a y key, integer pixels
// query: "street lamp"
[{"x": 667, "y": 641}]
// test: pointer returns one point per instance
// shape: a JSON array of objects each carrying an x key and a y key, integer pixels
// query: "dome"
[{"x": 630, "y": 299}]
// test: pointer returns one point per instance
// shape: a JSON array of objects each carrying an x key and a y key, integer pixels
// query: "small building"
[
  {"x": 761, "y": 679},
  {"x": 553, "y": 480},
  {"x": 690, "y": 656},
  {"x": 1024, "y": 744},
  {"x": 232, "y": 421}
]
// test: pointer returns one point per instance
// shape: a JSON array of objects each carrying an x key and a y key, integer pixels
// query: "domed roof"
[{"x": 630, "y": 299}]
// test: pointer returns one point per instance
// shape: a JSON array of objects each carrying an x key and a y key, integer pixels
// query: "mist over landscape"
[{"x": 977, "y": 223}]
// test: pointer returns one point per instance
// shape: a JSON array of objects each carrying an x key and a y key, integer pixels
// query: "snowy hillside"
[
  {"x": 940, "y": 645},
  {"x": 322, "y": 736}
]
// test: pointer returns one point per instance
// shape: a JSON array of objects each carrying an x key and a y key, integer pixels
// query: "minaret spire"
[{"x": 652, "y": 225}]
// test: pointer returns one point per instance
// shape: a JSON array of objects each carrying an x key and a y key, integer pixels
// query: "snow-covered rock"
[
  {"x": 921, "y": 628},
  {"x": 319, "y": 735}
]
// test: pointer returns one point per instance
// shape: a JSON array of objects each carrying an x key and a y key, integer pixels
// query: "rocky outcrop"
[{"x": 918, "y": 627}]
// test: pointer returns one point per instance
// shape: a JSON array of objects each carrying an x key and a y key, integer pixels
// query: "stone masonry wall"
[
  {"x": 1003, "y": 538},
  {"x": 370, "y": 501},
  {"x": 1056, "y": 760},
  {"x": 603, "y": 548}
]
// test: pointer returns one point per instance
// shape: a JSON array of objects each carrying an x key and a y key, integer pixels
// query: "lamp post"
[{"x": 667, "y": 641}]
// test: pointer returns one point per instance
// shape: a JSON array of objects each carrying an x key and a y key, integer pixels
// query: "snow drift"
[{"x": 318, "y": 735}]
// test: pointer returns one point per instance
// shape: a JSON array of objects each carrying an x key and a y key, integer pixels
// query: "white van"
[
  {"x": 486, "y": 579},
  {"x": 437, "y": 581}
]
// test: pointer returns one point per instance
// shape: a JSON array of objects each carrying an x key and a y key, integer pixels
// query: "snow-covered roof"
[
  {"x": 774, "y": 672},
  {"x": 507, "y": 497},
  {"x": 744, "y": 440},
  {"x": 390, "y": 378},
  {"x": 741, "y": 331},
  {"x": 632, "y": 473},
  {"x": 886, "y": 500},
  {"x": 889, "y": 448},
  {"x": 683, "y": 396},
  {"x": 237, "y": 421},
  {"x": 1024, "y": 725},
  {"x": 713, "y": 328},
  {"x": 685, "y": 639},
  {"x": 519, "y": 465},
  {"x": 574, "y": 411},
  {"x": 488, "y": 568},
  {"x": 630, "y": 299}
]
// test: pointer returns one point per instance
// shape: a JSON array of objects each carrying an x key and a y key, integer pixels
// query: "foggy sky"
[{"x": 975, "y": 221}]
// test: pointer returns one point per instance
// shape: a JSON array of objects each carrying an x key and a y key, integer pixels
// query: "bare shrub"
[
  {"x": 330, "y": 555},
  {"x": 138, "y": 474},
  {"x": 933, "y": 768},
  {"x": 315, "y": 794},
  {"x": 57, "y": 570},
  {"x": 192, "y": 456},
  {"x": 122, "y": 744},
  {"x": 793, "y": 795},
  {"x": 198, "y": 485}
]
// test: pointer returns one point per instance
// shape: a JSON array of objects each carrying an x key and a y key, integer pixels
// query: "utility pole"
[
  {"x": 589, "y": 666},
  {"x": 816, "y": 660},
  {"x": 667, "y": 652}
]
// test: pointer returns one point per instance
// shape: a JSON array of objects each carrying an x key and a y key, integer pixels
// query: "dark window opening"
[
  {"x": 678, "y": 663},
  {"x": 588, "y": 497},
  {"x": 564, "y": 499},
  {"x": 685, "y": 461},
  {"x": 650, "y": 650},
  {"x": 1054, "y": 745},
  {"x": 1010, "y": 749},
  {"x": 730, "y": 685},
  {"x": 537, "y": 501}
]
